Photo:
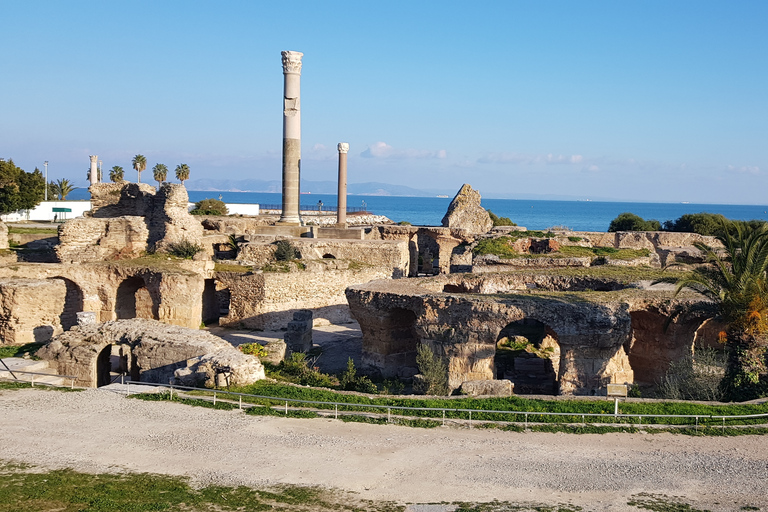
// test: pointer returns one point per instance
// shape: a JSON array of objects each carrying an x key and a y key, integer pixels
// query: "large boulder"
[
  {"x": 149, "y": 351},
  {"x": 465, "y": 212}
]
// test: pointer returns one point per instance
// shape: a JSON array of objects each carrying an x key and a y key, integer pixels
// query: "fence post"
[
  {"x": 443, "y": 417},
  {"x": 286, "y": 407},
  {"x": 336, "y": 411},
  {"x": 526, "y": 421},
  {"x": 470, "y": 419},
  {"x": 241, "y": 402},
  {"x": 723, "y": 424},
  {"x": 389, "y": 415},
  {"x": 697, "y": 423}
]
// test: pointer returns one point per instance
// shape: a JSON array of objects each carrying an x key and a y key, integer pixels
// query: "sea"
[{"x": 533, "y": 214}]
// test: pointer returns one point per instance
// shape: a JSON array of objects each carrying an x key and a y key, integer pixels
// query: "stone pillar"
[
  {"x": 341, "y": 214},
  {"x": 94, "y": 169},
  {"x": 291, "y": 138}
]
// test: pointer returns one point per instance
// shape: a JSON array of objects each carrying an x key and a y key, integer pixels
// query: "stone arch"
[
  {"x": 211, "y": 308},
  {"x": 329, "y": 256},
  {"x": 133, "y": 300},
  {"x": 73, "y": 303},
  {"x": 114, "y": 360},
  {"x": 533, "y": 370},
  {"x": 393, "y": 349}
]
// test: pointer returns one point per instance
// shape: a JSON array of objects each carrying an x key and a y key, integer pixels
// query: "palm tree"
[
  {"x": 116, "y": 174},
  {"x": 737, "y": 283},
  {"x": 182, "y": 173},
  {"x": 139, "y": 163},
  {"x": 160, "y": 172},
  {"x": 62, "y": 189}
]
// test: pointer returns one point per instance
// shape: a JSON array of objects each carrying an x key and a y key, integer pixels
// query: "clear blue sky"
[{"x": 630, "y": 100}]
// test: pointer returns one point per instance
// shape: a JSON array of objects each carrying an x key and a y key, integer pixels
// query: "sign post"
[{"x": 616, "y": 391}]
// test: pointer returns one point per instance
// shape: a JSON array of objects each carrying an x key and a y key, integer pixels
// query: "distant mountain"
[{"x": 316, "y": 187}]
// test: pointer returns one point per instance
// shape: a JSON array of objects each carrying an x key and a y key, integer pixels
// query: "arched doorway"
[
  {"x": 113, "y": 361},
  {"x": 133, "y": 300},
  {"x": 528, "y": 354}
]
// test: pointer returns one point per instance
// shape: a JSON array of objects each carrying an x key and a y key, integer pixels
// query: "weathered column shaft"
[
  {"x": 94, "y": 172},
  {"x": 341, "y": 214},
  {"x": 291, "y": 138}
]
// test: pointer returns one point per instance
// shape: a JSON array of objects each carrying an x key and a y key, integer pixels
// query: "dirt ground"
[{"x": 100, "y": 430}]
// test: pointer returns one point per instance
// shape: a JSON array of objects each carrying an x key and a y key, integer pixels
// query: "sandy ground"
[{"x": 99, "y": 430}]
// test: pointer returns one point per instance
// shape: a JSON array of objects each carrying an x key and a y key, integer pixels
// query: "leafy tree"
[
  {"x": 62, "y": 188},
  {"x": 630, "y": 222},
  {"x": 710, "y": 224},
  {"x": 160, "y": 172},
  {"x": 210, "y": 207},
  {"x": 19, "y": 190},
  {"x": 139, "y": 163},
  {"x": 116, "y": 174},
  {"x": 738, "y": 285},
  {"x": 182, "y": 173}
]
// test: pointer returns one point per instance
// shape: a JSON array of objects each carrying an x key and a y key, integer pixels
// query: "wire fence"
[{"x": 468, "y": 416}]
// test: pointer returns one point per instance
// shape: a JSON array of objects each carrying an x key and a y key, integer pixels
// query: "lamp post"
[{"x": 46, "y": 179}]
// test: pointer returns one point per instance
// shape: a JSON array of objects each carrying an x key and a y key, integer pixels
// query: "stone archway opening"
[
  {"x": 115, "y": 360},
  {"x": 73, "y": 303},
  {"x": 528, "y": 354},
  {"x": 133, "y": 300},
  {"x": 650, "y": 350},
  {"x": 211, "y": 308}
]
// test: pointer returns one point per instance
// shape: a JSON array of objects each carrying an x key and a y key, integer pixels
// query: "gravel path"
[{"x": 97, "y": 431}]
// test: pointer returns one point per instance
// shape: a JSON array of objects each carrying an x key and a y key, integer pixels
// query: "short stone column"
[
  {"x": 94, "y": 172},
  {"x": 291, "y": 138},
  {"x": 341, "y": 214},
  {"x": 298, "y": 337}
]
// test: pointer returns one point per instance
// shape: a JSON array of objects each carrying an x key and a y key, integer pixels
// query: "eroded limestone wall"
[
  {"x": 30, "y": 309},
  {"x": 3, "y": 236},
  {"x": 268, "y": 300}
]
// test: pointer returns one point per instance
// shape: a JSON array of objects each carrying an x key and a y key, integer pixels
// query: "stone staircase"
[{"x": 17, "y": 364}]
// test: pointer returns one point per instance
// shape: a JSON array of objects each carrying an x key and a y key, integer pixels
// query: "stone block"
[
  {"x": 30, "y": 309},
  {"x": 86, "y": 318},
  {"x": 501, "y": 387}
]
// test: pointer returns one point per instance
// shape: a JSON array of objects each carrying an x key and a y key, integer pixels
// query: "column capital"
[
  {"x": 292, "y": 62},
  {"x": 93, "y": 158},
  {"x": 343, "y": 147}
]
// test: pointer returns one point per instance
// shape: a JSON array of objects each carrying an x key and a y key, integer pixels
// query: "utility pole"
[{"x": 46, "y": 179}]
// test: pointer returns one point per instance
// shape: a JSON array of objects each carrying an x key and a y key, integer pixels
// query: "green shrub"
[
  {"x": 500, "y": 221},
  {"x": 286, "y": 251},
  {"x": 501, "y": 247},
  {"x": 708, "y": 224},
  {"x": 253, "y": 349},
  {"x": 297, "y": 367},
  {"x": 434, "y": 372},
  {"x": 184, "y": 249},
  {"x": 404, "y": 223},
  {"x": 694, "y": 377},
  {"x": 210, "y": 207},
  {"x": 574, "y": 239},
  {"x": 630, "y": 222},
  {"x": 350, "y": 381}
]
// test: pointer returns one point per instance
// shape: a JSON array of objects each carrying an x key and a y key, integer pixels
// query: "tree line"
[
  {"x": 708, "y": 224},
  {"x": 159, "y": 171}
]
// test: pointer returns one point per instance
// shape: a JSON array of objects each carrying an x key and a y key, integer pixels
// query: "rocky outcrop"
[
  {"x": 465, "y": 212},
  {"x": 170, "y": 221},
  {"x": 149, "y": 351},
  {"x": 30, "y": 310}
]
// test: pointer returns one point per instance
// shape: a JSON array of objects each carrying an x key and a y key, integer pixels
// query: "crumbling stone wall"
[
  {"x": 30, "y": 309},
  {"x": 268, "y": 300},
  {"x": 126, "y": 225},
  {"x": 175, "y": 294},
  {"x": 3, "y": 236}
]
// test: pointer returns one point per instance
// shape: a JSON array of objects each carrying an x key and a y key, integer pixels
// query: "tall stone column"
[
  {"x": 94, "y": 169},
  {"x": 291, "y": 138},
  {"x": 341, "y": 214}
]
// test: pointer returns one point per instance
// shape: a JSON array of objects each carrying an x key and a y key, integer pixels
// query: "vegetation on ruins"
[
  {"x": 116, "y": 174},
  {"x": 254, "y": 349},
  {"x": 19, "y": 190},
  {"x": 286, "y": 251},
  {"x": 500, "y": 221},
  {"x": 210, "y": 207},
  {"x": 737, "y": 282},
  {"x": 62, "y": 188},
  {"x": 351, "y": 381},
  {"x": 434, "y": 373},
  {"x": 502, "y": 247},
  {"x": 182, "y": 173},
  {"x": 139, "y": 163},
  {"x": 160, "y": 173},
  {"x": 184, "y": 249},
  {"x": 694, "y": 377},
  {"x": 630, "y": 222}
]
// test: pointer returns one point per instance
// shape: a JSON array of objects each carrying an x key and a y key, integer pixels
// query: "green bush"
[
  {"x": 210, "y": 207},
  {"x": 434, "y": 372},
  {"x": 286, "y": 251},
  {"x": 708, "y": 224},
  {"x": 500, "y": 221},
  {"x": 630, "y": 222},
  {"x": 350, "y": 381},
  {"x": 298, "y": 368},
  {"x": 501, "y": 247},
  {"x": 184, "y": 249},
  {"x": 694, "y": 377},
  {"x": 404, "y": 223},
  {"x": 253, "y": 349}
]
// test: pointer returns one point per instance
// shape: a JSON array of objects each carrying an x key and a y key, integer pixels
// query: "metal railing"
[
  {"x": 695, "y": 418},
  {"x": 33, "y": 381}
]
